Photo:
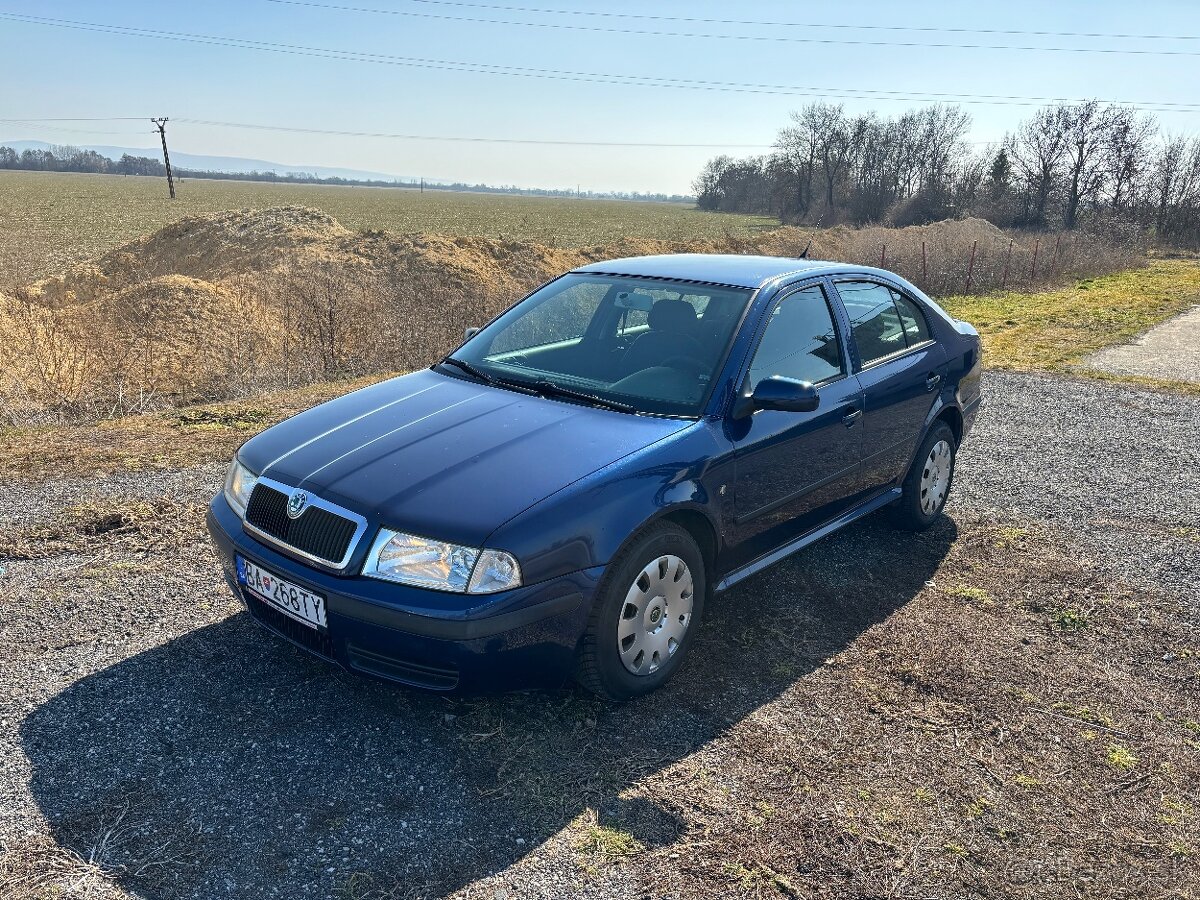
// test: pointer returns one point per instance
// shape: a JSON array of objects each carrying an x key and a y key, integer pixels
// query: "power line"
[
  {"x": 573, "y": 76},
  {"x": 468, "y": 140},
  {"x": 773, "y": 38},
  {"x": 82, "y": 119},
  {"x": 37, "y": 124},
  {"x": 761, "y": 23},
  {"x": 295, "y": 129},
  {"x": 381, "y": 134}
]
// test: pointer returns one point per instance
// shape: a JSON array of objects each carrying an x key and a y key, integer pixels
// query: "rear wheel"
[
  {"x": 927, "y": 484},
  {"x": 645, "y": 615}
]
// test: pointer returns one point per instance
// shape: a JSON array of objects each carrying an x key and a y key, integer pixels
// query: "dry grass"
[
  {"x": 37, "y": 867},
  {"x": 966, "y": 256},
  {"x": 155, "y": 441},
  {"x": 112, "y": 524}
]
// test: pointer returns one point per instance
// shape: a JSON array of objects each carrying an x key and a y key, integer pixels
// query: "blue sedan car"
[{"x": 564, "y": 492}]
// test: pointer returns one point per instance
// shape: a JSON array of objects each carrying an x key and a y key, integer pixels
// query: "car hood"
[{"x": 444, "y": 457}]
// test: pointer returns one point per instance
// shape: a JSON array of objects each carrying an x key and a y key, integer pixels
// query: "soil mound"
[{"x": 209, "y": 248}]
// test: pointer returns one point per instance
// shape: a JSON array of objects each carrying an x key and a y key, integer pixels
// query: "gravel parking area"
[
  {"x": 1117, "y": 469},
  {"x": 155, "y": 743}
]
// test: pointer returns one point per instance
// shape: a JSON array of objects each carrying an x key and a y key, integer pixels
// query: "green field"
[{"x": 50, "y": 220}]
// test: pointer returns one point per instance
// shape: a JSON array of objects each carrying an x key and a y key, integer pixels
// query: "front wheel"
[
  {"x": 927, "y": 484},
  {"x": 645, "y": 614}
]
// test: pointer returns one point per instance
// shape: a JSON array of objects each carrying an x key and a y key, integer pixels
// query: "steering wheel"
[{"x": 686, "y": 364}]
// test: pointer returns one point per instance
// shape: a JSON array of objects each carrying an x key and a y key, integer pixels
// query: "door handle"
[
  {"x": 851, "y": 417},
  {"x": 932, "y": 381}
]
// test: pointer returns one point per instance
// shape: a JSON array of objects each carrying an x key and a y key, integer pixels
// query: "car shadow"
[{"x": 226, "y": 761}]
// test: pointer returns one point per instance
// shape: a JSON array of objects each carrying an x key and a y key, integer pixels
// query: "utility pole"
[{"x": 161, "y": 125}]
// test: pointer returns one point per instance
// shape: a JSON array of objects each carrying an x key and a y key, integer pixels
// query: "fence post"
[
  {"x": 1007, "y": 260},
  {"x": 1057, "y": 241},
  {"x": 1033, "y": 271},
  {"x": 924, "y": 268},
  {"x": 971, "y": 265},
  {"x": 883, "y": 257}
]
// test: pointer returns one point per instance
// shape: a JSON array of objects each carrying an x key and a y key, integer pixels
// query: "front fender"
[{"x": 585, "y": 524}]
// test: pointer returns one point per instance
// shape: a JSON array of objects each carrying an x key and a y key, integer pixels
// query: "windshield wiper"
[
  {"x": 548, "y": 388},
  {"x": 489, "y": 379},
  {"x": 469, "y": 369},
  {"x": 545, "y": 388}
]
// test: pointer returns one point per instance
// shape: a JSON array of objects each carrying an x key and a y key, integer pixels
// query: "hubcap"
[
  {"x": 656, "y": 613},
  {"x": 935, "y": 478}
]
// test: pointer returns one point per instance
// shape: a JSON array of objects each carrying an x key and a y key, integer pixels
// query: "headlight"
[
  {"x": 422, "y": 562},
  {"x": 239, "y": 482}
]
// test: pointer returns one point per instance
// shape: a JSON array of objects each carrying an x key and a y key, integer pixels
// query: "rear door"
[
  {"x": 796, "y": 469},
  {"x": 900, "y": 369}
]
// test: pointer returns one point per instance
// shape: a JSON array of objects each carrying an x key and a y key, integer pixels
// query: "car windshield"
[{"x": 639, "y": 344}]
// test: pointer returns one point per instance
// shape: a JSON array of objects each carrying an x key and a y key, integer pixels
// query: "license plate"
[{"x": 290, "y": 599}]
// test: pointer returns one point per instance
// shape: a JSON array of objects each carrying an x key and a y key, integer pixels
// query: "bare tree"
[
  {"x": 1036, "y": 151},
  {"x": 1086, "y": 129},
  {"x": 1175, "y": 186},
  {"x": 1126, "y": 156}
]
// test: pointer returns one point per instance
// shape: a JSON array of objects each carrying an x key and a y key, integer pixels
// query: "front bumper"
[{"x": 427, "y": 639}]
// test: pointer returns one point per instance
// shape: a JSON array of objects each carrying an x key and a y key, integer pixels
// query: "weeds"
[
  {"x": 1121, "y": 757},
  {"x": 607, "y": 841},
  {"x": 1070, "y": 619},
  {"x": 111, "y": 522}
]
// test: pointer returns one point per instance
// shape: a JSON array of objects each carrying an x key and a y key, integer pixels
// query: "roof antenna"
[{"x": 811, "y": 235}]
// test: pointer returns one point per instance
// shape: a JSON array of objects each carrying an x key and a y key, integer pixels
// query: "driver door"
[{"x": 795, "y": 470}]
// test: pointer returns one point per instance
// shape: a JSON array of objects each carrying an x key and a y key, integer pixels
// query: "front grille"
[
  {"x": 317, "y": 532},
  {"x": 310, "y": 639}
]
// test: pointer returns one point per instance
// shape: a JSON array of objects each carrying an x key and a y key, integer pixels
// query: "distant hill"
[{"x": 220, "y": 163}]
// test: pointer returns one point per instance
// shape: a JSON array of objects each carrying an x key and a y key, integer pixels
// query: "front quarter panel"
[{"x": 585, "y": 524}]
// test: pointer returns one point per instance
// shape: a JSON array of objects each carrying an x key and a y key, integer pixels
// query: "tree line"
[
  {"x": 73, "y": 159},
  {"x": 1067, "y": 166}
]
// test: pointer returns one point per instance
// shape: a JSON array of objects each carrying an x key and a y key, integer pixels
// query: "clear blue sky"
[{"x": 50, "y": 71}]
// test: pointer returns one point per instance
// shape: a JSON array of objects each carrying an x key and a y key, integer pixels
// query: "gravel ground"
[
  {"x": 220, "y": 762},
  {"x": 1116, "y": 468}
]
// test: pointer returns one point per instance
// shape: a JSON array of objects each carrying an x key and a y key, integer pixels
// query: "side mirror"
[
  {"x": 470, "y": 333},
  {"x": 778, "y": 393}
]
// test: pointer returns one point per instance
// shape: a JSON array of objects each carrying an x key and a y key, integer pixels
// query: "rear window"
[
  {"x": 874, "y": 321},
  {"x": 916, "y": 330}
]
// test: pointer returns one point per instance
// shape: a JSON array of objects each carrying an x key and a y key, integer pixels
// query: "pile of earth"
[
  {"x": 239, "y": 243},
  {"x": 229, "y": 303}
]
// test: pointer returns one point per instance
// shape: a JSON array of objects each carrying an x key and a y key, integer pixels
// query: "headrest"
[{"x": 671, "y": 315}]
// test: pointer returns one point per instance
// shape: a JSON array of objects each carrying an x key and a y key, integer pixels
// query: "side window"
[
  {"x": 800, "y": 341},
  {"x": 912, "y": 319},
  {"x": 874, "y": 321}
]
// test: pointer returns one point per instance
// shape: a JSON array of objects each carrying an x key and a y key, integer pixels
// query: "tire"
[
  {"x": 928, "y": 482},
  {"x": 643, "y": 605}
]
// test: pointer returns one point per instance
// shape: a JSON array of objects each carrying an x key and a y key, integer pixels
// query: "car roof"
[{"x": 715, "y": 268}]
